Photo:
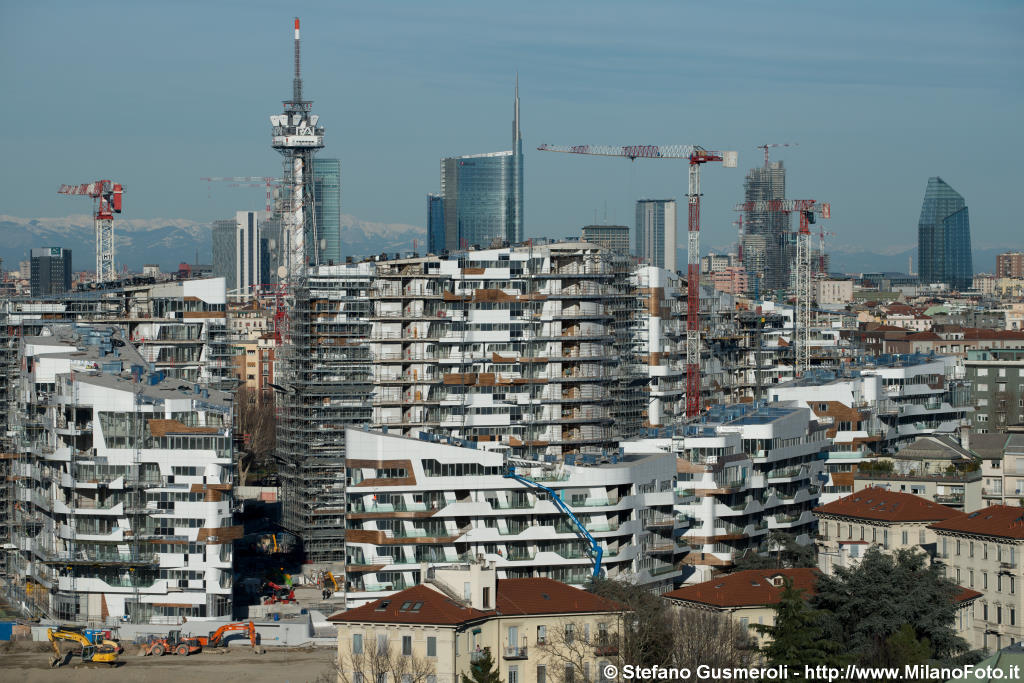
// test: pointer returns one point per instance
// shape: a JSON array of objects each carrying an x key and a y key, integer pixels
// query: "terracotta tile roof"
[
  {"x": 547, "y": 596},
  {"x": 966, "y": 595},
  {"x": 434, "y": 608},
  {"x": 746, "y": 588},
  {"x": 887, "y": 506},
  {"x": 1004, "y": 521}
]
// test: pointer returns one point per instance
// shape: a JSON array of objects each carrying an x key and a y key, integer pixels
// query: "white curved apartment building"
[
  {"x": 414, "y": 500},
  {"x": 123, "y": 485}
]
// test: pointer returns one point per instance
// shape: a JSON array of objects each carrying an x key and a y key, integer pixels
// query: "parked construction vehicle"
[
  {"x": 280, "y": 594},
  {"x": 102, "y": 654},
  {"x": 217, "y": 638},
  {"x": 173, "y": 643}
]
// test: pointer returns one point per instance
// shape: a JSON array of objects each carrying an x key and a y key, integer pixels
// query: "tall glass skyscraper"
[
  {"x": 656, "y": 232},
  {"x": 944, "y": 237},
  {"x": 435, "y": 223},
  {"x": 327, "y": 208},
  {"x": 482, "y": 196},
  {"x": 771, "y": 227}
]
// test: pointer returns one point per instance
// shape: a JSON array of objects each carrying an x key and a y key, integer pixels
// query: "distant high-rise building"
[
  {"x": 249, "y": 256},
  {"x": 50, "y": 271},
  {"x": 435, "y": 223},
  {"x": 944, "y": 237},
  {"x": 225, "y": 240},
  {"x": 327, "y": 208},
  {"x": 656, "y": 232},
  {"x": 1010, "y": 264},
  {"x": 614, "y": 237},
  {"x": 483, "y": 195},
  {"x": 762, "y": 184}
]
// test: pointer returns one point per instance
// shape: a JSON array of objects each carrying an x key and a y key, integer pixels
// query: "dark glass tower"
[
  {"x": 435, "y": 223},
  {"x": 327, "y": 208},
  {"x": 944, "y": 237}
]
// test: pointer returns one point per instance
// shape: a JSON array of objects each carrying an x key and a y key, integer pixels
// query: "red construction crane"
[
  {"x": 106, "y": 198},
  {"x": 808, "y": 209},
  {"x": 252, "y": 181},
  {"x": 696, "y": 156},
  {"x": 768, "y": 145}
]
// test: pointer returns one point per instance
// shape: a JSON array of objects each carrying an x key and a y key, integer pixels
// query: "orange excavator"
[{"x": 217, "y": 639}]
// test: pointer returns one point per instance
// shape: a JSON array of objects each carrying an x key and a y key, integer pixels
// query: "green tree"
[
  {"x": 883, "y": 593},
  {"x": 796, "y": 636},
  {"x": 904, "y": 647},
  {"x": 784, "y": 553},
  {"x": 482, "y": 670}
]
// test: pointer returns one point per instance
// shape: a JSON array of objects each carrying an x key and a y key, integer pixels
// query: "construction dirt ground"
[{"x": 30, "y": 663}]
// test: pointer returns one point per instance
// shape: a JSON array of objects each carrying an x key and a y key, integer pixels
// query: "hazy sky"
[{"x": 879, "y": 95}]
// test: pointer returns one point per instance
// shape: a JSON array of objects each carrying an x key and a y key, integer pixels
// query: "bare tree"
[
  {"x": 707, "y": 637},
  {"x": 255, "y": 423},
  {"x": 378, "y": 662},
  {"x": 574, "y": 650}
]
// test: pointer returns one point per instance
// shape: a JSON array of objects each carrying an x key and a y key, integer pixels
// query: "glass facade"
[
  {"x": 327, "y": 207},
  {"x": 656, "y": 232},
  {"x": 224, "y": 240},
  {"x": 478, "y": 200},
  {"x": 944, "y": 237},
  {"x": 435, "y": 224}
]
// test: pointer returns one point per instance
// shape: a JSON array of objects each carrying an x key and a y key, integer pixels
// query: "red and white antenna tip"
[{"x": 296, "y": 28}]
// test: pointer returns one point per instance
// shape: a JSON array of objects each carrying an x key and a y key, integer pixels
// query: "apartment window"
[
  {"x": 984, "y": 611},
  {"x": 570, "y": 674},
  {"x": 999, "y": 583},
  {"x": 382, "y": 678},
  {"x": 407, "y": 645},
  {"x": 1011, "y": 585},
  {"x": 921, "y": 537},
  {"x": 513, "y": 674},
  {"x": 467, "y": 591},
  {"x": 357, "y": 643},
  {"x": 885, "y": 538},
  {"x": 1002, "y": 373},
  {"x": 849, "y": 532},
  {"x": 958, "y": 574},
  {"x": 999, "y": 614},
  {"x": 487, "y": 597},
  {"x": 958, "y": 548},
  {"x": 542, "y": 674},
  {"x": 982, "y": 387},
  {"x": 971, "y": 549},
  {"x": 542, "y": 635},
  {"x": 970, "y": 577},
  {"x": 862, "y": 532},
  {"x": 357, "y": 677},
  {"x": 905, "y": 536},
  {"x": 570, "y": 633},
  {"x": 984, "y": 581},
  {"x": 382, "y": 642},
  {"x": 874, "y": 535},
  {"x": 1013, "y": 617},
  {"x": 984, "y": 551},
  {"x": 431, "y": 646}
]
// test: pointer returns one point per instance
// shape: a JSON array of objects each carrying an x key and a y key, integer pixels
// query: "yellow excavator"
[{"x": 102, "y": 654}]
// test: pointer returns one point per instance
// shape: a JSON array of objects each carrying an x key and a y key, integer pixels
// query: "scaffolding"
[{"x": 325, "y": 377}]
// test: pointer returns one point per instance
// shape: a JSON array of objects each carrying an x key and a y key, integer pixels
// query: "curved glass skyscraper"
[{"x": 944, "y": 237}]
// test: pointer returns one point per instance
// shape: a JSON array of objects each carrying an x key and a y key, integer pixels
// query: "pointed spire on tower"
[{"x": 516, "y": 135}]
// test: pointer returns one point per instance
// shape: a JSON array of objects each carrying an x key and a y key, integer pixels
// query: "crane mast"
[
  {"x": 808, "y": 209},
  {"x": 106, "y": 202},
  {"x": 696, "y": 156}
]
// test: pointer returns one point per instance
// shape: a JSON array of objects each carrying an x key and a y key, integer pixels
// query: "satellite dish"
[
  {"x": 281, "y": 272},
  {"x": 273, "y": 120},
  {"x": 313, "y": 119}
]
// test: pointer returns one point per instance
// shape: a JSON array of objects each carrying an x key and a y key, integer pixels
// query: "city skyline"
[{"x": 928, "y": 72}]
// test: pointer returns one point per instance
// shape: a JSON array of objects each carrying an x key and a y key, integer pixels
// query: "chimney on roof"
[{"x": 965, "y": 437}]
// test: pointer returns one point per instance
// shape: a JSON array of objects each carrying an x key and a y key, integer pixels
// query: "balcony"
[
  {"x": 512, "y": 652},
  {"x": 606, "y": 646}
]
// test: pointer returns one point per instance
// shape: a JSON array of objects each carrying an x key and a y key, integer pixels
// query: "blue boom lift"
[{"x": 596, "y": 552}]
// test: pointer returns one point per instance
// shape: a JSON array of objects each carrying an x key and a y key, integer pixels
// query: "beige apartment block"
[
  {"x": 982, "y": 550},
  {"x": 536, "y": 630},
  {"x": 875, "y": 516}
]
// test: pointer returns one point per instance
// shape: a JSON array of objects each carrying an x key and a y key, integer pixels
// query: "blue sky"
[{"x": 879, "y": 95}]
